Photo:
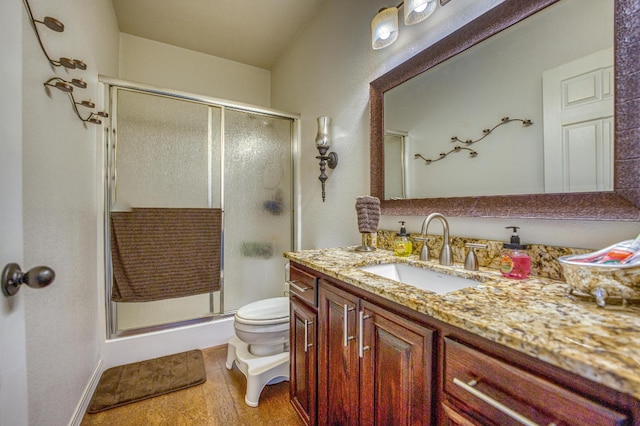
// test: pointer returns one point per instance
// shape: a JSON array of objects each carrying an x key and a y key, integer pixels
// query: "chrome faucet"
[{"x": 446, "y": 255}]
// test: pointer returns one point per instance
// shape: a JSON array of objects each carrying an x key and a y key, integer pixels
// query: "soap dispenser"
[
  {"x": 402, "y": 245},
  {"x": 514, "y": 260}
]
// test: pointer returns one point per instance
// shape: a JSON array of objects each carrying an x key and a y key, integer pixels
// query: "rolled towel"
[{"x": 368, "y": 210}]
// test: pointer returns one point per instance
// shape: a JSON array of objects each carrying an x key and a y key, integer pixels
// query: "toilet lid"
[{"x": 276, "y": 308}]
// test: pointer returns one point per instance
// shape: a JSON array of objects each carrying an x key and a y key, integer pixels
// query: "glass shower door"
[
  {"x": 171, "y": 152},
  {"x": 167, "y": 155},
  {"x": 257, "y": 205}
]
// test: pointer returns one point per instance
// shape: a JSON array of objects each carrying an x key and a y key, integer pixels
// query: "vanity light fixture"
[
  {"x": 323, "y": 143},
  {"x": 67, "y": 87},
  {"x": 384, "y": 26},
  {"x": 57, "y": 26},
  {"x": 418, "y": 10}
]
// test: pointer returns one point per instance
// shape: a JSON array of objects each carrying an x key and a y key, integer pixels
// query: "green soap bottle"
[{"x": 402, "y": 245}]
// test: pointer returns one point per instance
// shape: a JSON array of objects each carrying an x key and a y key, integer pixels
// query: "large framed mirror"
[{"x": 621, "y": 202}]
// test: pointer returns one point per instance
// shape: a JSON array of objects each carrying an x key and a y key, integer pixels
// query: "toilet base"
[{"x": 259, "y": 370}]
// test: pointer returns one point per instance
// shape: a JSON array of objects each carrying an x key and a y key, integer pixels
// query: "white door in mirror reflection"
[{"x": 578, "y": 125}]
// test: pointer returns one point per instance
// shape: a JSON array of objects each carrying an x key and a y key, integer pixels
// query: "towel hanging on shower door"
[{"x": 163, "y": 253}]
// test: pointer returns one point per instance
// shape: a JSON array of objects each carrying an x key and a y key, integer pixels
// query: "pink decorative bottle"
[{"x": 514, "y": 261}]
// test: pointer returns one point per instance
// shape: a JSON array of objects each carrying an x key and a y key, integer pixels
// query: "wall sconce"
[
  {"x": 67, "y": 87},
  {"x": 384, "y": 26},
  {"x": 57, "y": 26},
  {"x": 323, "y": 143}
]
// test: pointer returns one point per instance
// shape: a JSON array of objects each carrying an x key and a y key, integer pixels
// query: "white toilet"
[{"x": 260, "y": 347}]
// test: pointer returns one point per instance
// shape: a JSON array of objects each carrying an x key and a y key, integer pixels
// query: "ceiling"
[{"x": 252, "y": 32}]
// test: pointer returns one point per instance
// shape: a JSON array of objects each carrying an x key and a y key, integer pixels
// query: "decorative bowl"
[{"x": 602, "y": 281}]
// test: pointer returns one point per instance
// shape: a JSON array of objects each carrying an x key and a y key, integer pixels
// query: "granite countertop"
[{"x": 536, "y": 316}]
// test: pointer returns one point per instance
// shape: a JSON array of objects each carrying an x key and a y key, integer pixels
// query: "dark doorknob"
[{"x": 36, "y": 277}]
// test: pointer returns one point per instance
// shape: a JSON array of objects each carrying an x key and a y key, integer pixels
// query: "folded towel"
[
  {"x": 160, "y": 253},
  {"x": 368, "y": 209}
]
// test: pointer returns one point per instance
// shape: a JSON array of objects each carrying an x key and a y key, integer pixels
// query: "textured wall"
[
  {"x": 172, "y": 67},
  {"x": 60, "y": 214},
  {"x": 327, "y": 72}
]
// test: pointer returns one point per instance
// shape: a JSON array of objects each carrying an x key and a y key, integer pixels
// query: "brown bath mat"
[{"x": 141, "y": 380}]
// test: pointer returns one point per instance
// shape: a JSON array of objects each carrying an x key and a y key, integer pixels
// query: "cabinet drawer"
[
  {"x": 495, "y": 392},
  {"x": 303, "y": 285}
]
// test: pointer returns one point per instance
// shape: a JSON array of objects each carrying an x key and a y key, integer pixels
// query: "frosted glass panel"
[
  {"x": 147, "y": 314},
  {"x": 258, "y": 226},
  {"x": 162, "y": 152},
  {"x": 215, "y": 160},
  {"x": 167, "y": 155}
]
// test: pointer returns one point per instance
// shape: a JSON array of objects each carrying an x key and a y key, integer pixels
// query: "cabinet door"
[
  {"x": 395, "y": 369},
  {"x": 303, "y": 365},
  {"x": 337, "y": 357}
]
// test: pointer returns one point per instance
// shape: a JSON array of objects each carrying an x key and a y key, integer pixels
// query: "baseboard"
[{"x": 86, "y": 395}]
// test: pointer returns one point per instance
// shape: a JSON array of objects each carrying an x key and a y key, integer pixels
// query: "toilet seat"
[
  {"x": 260, "y": 348},
  {"x": 264, "y": 326},
  {"x": 264, "y": 312}
]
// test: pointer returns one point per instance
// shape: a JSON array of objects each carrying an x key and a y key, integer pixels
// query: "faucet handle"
[
  {"x": 424, "y": 251},
  {"x": 471, "y": 261}
]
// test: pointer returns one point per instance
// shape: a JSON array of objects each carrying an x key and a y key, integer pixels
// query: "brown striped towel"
[{"x": 162, "y": 253}]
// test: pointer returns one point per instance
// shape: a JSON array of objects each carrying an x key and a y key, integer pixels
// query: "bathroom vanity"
[{"x": 371, "y": 350}]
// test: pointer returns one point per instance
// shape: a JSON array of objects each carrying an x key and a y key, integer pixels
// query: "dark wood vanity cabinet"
[
  {"x": 382, "y": 363},
  {"x": 303, "y": 367},
  {"x": 374, "y": 367}
]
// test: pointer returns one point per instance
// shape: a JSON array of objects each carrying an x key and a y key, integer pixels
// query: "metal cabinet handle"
[
  {"x": 469, "y": 387},
  {"x": 307, "y": 345},
  {"x": 346, "y": 325},
  {"x": 297, "y": 287},
  {"x": 361, "y": 347}
]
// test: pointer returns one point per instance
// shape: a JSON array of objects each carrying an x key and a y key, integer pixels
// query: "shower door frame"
[{"x": 111, "y": 85}]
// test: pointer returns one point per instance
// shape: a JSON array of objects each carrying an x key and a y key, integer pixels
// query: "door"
[
  {"x": 13, "y": 370},
  {"x": 578, "y": 125}
]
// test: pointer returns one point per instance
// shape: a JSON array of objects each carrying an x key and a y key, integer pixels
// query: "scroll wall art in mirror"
[{"x": 529, "y": 199}]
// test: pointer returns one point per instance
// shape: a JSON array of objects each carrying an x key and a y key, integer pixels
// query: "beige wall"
[
  {"x": 327, "y": 72},
  {"x": 167, "y": 66},
  {"x": 63, "y": 327}
]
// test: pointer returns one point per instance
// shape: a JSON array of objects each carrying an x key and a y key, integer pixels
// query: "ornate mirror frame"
[{"x": 623, "y": 203}]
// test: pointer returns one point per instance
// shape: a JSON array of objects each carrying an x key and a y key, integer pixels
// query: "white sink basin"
[{"x": 424, "y": 279}]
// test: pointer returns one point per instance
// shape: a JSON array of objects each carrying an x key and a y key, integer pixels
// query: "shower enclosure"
[{"x": 177, "y": 151}]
